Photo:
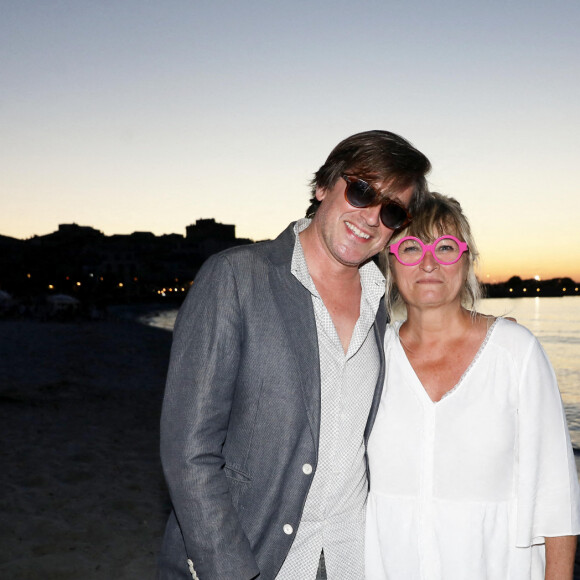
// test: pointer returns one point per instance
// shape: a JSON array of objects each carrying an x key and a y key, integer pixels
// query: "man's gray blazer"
[{"x": 241, "y": 415}]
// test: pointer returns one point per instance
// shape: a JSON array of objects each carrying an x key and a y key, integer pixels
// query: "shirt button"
[
  {"x": 288, "y": 529},
  {"x": 307, "y": 468}
]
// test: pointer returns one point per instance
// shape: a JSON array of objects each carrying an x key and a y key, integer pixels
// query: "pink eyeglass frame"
[{"x": 394, "y": 249}]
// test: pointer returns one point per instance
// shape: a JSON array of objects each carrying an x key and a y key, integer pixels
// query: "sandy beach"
[{"x": 83, "y": 495}]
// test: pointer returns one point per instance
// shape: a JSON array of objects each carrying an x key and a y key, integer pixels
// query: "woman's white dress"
[{"x": 468, "y": 487}]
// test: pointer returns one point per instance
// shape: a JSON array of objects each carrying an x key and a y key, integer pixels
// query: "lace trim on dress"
[{"x": 474, "y": 360}]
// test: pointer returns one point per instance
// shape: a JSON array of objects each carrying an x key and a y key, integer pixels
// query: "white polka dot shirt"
[{"x": 333, "y": 516}]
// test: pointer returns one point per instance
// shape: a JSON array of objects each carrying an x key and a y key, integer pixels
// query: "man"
[{"x": 275, "y": 374}]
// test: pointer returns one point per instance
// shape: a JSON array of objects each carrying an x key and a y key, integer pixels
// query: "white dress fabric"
[{"x": 468, "y": 487}]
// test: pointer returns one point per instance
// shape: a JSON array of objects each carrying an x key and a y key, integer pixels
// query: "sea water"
[{"x": 555, "y": 321}]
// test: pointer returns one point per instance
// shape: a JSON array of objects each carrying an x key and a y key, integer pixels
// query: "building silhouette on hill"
[{"x": 83, "y": 262}]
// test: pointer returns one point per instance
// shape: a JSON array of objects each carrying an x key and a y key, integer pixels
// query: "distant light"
[
  {"x": 50, "y": 287},
  {"x": 183, "y": 289},
  {"x": 120, "y": 284},
  {"x": 563, "y": 289},
  {"x": 537, "y": 289},
  {"x": 537, "y": 278},
  {"x": 511, "y": 289},
  {"x": 91, "y": 275},
  {"x": 170, "y": 289},
  {"x": 575, "y": 289},
  {"x": 525, "y": 289},
  {"x": 135, "y": 279},
  {"x": 28, "y": 275},
  {"x": 78, "y": 283},
  {"x": 101, "y": 278}
]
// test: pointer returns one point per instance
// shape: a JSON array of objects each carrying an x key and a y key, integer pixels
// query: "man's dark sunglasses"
[{"x": 360, "y": 194}]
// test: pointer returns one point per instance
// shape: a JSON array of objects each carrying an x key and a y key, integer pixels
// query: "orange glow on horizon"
[
  {"x": 495, "y": 274},
  {"x": 500, "y": 263}
]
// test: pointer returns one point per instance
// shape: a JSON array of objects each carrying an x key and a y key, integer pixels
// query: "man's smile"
[{"x": 356, "y": 231}]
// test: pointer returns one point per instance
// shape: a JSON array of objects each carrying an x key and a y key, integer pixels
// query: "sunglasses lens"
[
  {"x": 393, "y": 216},
  {"x": 359, "y": 194}
]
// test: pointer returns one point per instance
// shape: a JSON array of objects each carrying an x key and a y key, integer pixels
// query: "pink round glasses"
[{"x": 446, "y": 250}]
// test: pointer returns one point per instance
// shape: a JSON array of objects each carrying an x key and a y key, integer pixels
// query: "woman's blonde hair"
[{"x": 437, "y": 216}]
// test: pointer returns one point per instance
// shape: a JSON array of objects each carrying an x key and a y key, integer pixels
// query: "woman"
[{"x": 472, "y": 475}]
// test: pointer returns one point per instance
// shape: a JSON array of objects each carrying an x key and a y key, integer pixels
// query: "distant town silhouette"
[
  {"x": 98, "y": 270},
  {"x": 79, "y": 267}
]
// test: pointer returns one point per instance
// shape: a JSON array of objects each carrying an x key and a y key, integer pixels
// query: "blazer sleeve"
[{"x": 200, "y": 387}]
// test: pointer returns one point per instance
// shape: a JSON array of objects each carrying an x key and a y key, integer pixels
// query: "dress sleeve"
[{"x": 548, "y": 497}]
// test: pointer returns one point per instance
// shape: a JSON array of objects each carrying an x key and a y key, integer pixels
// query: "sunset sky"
[{"x": 136, "y": 115}]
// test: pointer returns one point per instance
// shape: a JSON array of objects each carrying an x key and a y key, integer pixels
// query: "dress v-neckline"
[{"x": 419, "y": 384}]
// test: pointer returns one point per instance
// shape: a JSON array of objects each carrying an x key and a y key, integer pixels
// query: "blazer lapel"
[
  {"x": 379, "y": 328},
  {"x": 295, "y": 306}
]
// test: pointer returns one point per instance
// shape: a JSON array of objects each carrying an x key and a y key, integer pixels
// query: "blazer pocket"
[
  {"x": 237, "y": 475},
  {"x": 238, "y": 484}
]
